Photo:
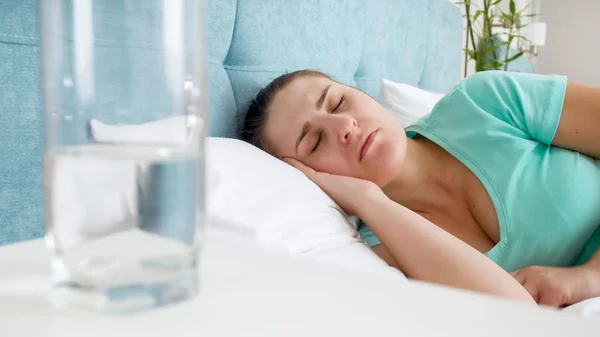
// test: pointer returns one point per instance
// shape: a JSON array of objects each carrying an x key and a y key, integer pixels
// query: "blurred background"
[{"x": 564, "y": 37}]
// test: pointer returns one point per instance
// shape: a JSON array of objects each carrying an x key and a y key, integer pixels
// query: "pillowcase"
[
  {"x": 406, "y": 102},
  {"x": 255, "y": 195}
]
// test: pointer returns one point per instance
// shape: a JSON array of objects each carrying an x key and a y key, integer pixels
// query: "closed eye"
[
  {"x": 339, "y": 103},
  {"x": 317, "y": 143}
]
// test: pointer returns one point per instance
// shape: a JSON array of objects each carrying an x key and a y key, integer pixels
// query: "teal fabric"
[
  {"x": 367, "y": 235},
  {"x": 500, "y": 125},
  {"x": 249, "y": 42}
]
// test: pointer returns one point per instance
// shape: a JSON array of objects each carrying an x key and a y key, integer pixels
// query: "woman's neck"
[{"x": 420, "y": 183}]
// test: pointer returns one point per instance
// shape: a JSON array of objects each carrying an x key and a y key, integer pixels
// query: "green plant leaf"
[
  {"x": 490, "y": 64},
  {"x": 514, "y": 57},
  {"x": 477, "y": 14},
  {"x": 489, "y": 49},
  {"x": 463, "y": 3},
  {"x": 523, "y": 10},
  {"x": 496, "y": 64},
  {"x": 496, "y": 2},
  {"x": 512, "y": 6},
  {"x": 517, "y": 16},
  {"x": 470, "y": 53},
  {"x": 523, "y": 38},
  {"x": 493, "y": 46}
]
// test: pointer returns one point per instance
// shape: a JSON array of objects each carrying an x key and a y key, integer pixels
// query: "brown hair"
[{"x": 254, "y": 121}]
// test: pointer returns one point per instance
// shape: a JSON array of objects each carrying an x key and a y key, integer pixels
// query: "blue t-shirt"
[{"x": 500, "y": 125}]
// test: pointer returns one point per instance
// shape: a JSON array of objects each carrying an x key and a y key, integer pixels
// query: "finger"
[
  {"x": 532, "y": 289},
  {"x": 551, "y": 298},
  {"x": 297, "y": 164},
  {"x": 518, "y": 275},
  {"x": 309, "y": 172},
  {"x": 303, "y": 168}
]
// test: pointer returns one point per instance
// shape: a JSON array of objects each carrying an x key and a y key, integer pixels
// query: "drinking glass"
[{"x": 125, "y": 106}]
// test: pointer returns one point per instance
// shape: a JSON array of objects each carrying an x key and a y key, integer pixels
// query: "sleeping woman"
[{"x": 497, "y": 190}]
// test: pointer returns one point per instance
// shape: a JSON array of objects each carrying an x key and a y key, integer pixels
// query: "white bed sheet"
[
  {"x": 587, "y": 308},
  {"x": 344, "y": 256}
]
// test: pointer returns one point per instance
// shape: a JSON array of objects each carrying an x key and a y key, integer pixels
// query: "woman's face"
[{"x": 336, "y": 129}]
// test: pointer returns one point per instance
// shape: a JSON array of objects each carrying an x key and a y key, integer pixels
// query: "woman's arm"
[
  {"x": 547, "y": 108},
  {"x": 421, "y": 249},
  {"x": 425, "y": 252},
  {"x": 579, "y": 126}
]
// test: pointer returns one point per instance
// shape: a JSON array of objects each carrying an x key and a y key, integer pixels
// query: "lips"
[{"x": 367, "y": 144}]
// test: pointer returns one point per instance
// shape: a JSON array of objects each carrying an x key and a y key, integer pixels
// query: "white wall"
[{"x": 572, "y": 40}]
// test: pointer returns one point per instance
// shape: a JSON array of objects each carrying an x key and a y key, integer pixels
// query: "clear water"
[{"x": 122, "y": 225}]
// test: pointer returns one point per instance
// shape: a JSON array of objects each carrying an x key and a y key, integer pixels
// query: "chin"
[{"x": 386, "y": 160}]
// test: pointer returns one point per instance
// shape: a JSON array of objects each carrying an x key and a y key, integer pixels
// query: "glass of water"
[{"x": 125, "y": 106}]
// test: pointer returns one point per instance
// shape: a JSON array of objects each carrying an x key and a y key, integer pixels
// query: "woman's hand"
[
  {"x": 558, "y": 287},
  {"x": 350, "y": 193}
]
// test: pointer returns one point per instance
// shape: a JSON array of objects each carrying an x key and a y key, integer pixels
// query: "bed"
[{"x": 357, "y": 42}]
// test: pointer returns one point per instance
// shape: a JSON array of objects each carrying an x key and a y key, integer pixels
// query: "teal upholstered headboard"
[{"x": 249, "y": 42}]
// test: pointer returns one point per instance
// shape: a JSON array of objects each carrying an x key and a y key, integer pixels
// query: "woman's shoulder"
[
  {"x": 483, "y": 79},
  {"x": 449, "y": 104}
]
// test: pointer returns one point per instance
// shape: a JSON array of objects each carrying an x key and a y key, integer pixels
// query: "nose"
[{"x": 342, "y": 127}]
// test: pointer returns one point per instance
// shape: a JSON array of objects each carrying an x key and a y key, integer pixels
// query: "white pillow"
[
  {"x": 406, "y": 102},
  {"x": 260, "y": 197}
]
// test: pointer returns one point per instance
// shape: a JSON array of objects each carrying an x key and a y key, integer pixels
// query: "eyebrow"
[
  {"x": 322, "y": 98},
  {"x": 305, "y": 130},
  {"x": 306, "y": 127}
]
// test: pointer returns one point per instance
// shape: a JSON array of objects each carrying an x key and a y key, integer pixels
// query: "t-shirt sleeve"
[
  {"x": 367, "y": 235},
  {"x": 532, "y": 103}
]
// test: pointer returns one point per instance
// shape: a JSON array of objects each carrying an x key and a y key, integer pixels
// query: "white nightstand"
[{"x": 250, "y": 292}]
